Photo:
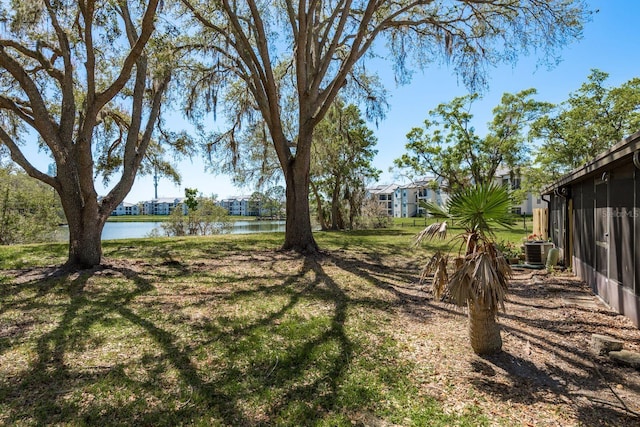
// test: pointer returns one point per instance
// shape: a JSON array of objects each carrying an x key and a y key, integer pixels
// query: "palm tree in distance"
[{"x": 480, "y": 274}]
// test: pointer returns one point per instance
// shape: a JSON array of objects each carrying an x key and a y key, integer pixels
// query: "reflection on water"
[{"x": 133, "y": 230}]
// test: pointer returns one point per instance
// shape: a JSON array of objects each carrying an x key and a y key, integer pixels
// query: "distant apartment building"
[
  {"x": 240, "y": 206},
  {"x": 531, "y": 201},
  {"x": 163, "y": 206},
  {"x": 407, "y": 198},
  {"x": 125, "y": 208},
  {"x": 403, "y": 201},
  {"x": 385, "y": 196}
]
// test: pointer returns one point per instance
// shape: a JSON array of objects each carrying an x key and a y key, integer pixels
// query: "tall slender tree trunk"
[
  {"x": 336, "y": 222},
  {"x": 321, "y": 217},
  {"x": 484, "y": 331}
]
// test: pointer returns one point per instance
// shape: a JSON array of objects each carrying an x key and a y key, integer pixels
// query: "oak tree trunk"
[
  {"x": 85, "y": 246},
  {"x": 298, "y": 235},
  {"x": 484, "y": 331},
  {"x": 85, "y": 221}
]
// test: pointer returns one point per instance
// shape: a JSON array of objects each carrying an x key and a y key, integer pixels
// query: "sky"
[{"x": 610, "y": 43}]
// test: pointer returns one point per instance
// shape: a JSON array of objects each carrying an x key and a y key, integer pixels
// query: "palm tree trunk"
[{"x": 484, "y": 331}]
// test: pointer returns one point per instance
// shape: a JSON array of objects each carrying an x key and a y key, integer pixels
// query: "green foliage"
[
  {"x": 267, "y": 204},
  {"x": 29, "y": 210},
  {"x": 593, "y": 119},
  {"x": 509, "y": 249},
  {"x": 449, "y": 148},
  {"x": 256, "y": 201},
  {"x": 191, "y": 200},
  {"x": 274, "y": 201},
  {"x": 342, "y": 153},
  {"x": 206, "y": 219},
  {"x": 372, "y": 216}
]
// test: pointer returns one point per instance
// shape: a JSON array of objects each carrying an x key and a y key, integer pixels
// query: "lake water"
[{"x": 133, "y": 230}]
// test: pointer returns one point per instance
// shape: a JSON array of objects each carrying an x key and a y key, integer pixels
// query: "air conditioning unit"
[{"x": 535, "y": 253}]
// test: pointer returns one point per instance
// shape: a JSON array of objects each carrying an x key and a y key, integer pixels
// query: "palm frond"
[
  {"x": 490, "y": 279},
  {"x": 437, "y": 229},
  {"x": 480, "y": 278},
  {"x": 459, "y": 289},
  {"x": 437, "y": 266},
  {"x": 434, "y": 209},
  {"x": 478, "y": 208}
]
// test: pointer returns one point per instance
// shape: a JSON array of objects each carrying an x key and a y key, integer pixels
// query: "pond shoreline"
[{"x": 114, "y": 230}]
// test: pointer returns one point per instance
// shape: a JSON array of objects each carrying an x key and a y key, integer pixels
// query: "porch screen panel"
[
  {"x": 578, "y": 215},
  {"x": 637, "y": 231},
  {"x": 556, "y": 216},
  {"x": 586, "y": 225},
  {"x": 603, "y": 212},
  {"x": 621, "y": 248}
]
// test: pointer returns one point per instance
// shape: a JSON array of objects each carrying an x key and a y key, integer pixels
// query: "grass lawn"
[{"x": 219, "y": 330}]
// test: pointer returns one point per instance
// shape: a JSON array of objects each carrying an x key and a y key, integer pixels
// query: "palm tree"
[{"x": 481, "y": 274}]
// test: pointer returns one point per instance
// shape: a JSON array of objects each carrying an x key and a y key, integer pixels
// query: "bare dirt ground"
[{"x": 547, "y": 374}]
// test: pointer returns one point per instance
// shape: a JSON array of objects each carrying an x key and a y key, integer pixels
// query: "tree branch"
[
  {"x": 18, "y": 157},
  {"x": 12, "y": 105},
  {"x": 47, "y": 65},
  {"x": 147, "y": 29},
  {"x": 68, "y": 105},
  {"x": 42, "y": 120}
]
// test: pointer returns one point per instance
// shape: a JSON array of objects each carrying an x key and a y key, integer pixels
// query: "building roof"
[
  {"x": 623, "y": 151},
  {"x": 239, "y": 198},
  {"x": 166, "y": 200},
  {"x": 420, "y": 183},
  {"x": 383, "y": 189}
]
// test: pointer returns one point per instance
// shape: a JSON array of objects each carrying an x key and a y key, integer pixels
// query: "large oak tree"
[
  {"x": 590, "y": 121},
  {"x": 268, "y": 55},
  {"x": 77, "y": 78},
  {"x": 448, "y": 146}
]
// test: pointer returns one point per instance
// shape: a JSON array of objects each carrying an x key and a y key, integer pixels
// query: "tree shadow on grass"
[
  {"x": 307, "y": 377},
  {"x": 278, "y": 344},
  {"x": 48, "y": 389},
  {"x": 400, "y": 282}
]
